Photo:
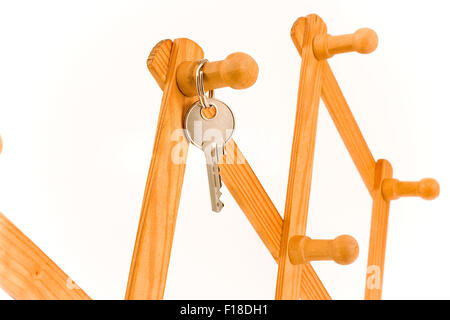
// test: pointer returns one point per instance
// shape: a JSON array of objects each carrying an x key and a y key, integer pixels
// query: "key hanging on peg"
[
  {"x": 364, "y": 41},
  {"x": 343, "y": 250},
  {"x": 393, "y": 189},
  {"x": 238, "y": 71},
  {"x": 209, "y": 130}
]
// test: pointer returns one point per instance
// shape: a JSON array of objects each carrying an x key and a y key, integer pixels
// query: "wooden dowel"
[
  {"x": 364, "y": 40},
  {"x": 393, "y": 189},
  {"x": 248, "y": 192},
  {"x": 26, "y": 273},
  {"x": 343, "y": 250},
  {"x": 238, "y": 71},
  {"x": 302, "y": 156},
  {"x": 150, "y": 262}
]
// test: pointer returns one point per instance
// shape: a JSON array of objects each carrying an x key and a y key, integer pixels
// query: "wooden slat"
[
  {"x": 378, "y": 234},
  {"x": 300, "y": 173},
  {"x": 250, "y": 195},
  {"x": 154, "y": 238},
  {"x": 347, "y": 127},
  {"x": 27, "y": 273}
]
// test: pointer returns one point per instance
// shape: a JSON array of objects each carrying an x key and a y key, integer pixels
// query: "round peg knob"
[
  {"x": 393, "y": 189},
  {"x": 238, "y": 71},
  {"x": 343, "y": 250},
  {"x": 364, "y": 41}
]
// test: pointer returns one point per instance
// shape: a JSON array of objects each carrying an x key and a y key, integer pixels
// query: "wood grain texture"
[
  {"x": 158, "y": 61},
  {"x": 154, "y": 238},
  {"x": 300, "y": 172},
  {"x": 250, "y": 195},
  {"x": 347, "y": 127},
  {"x": 378, "y": 234},
  {"x": 26, "y": 273}
]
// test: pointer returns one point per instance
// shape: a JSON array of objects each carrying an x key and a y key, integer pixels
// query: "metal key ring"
[{"x": 200, "y": 87}]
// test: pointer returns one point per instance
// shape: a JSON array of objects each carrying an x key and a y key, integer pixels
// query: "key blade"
[
  {"x": 214, "y": 188},
  {"x": 212, "y": 152},
  {"x": 218, "y": 207}
]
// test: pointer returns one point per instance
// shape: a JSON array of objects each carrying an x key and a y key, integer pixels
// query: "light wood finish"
[
  {"x": 343, "y": 250},
  {"x": 154, "y": 238},
  {"x": 378, "y": 234},
  {"x": 158, "y": 61},
  {"x": 343, "y": 119},
  {"x": 364, "y": 40},
  {"x": 238, "y": 71},
  {"x": 347, "y": 127},
  {"x": 26, "y": 273},
  {"x": 372, "y": 173},
  {"x": 250, "y": 195},
  {"x": 393, "y": 189},
  {"x": 300, "y": 172},
  {"x": 248, "y": 192}
]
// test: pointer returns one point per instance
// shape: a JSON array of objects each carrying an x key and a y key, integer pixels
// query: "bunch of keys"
[{"x": 209, "y": 133}]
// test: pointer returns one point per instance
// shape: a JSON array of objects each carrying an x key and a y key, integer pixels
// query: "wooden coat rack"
[{"x": 27, "y": 273}]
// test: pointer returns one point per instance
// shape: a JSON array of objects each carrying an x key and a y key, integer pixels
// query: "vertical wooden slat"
[
  {"x": 378, "y": 234},
  {"x": 154, "y": 238},
  {"x": 26, "y": 273},
  {"x": 300, "y": 173}
]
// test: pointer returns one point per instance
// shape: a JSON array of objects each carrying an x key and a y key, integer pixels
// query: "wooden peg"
[
  {"x": 343, "y": 250},
  {"x": 364, "y": 40},
  {"x": 427, "y": 189},
  {"x": 238, "y": 71}
]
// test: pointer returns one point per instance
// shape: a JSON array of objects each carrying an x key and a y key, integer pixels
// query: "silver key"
[
  {"x": 211, "y": 135},
  {"x": 213, "y": 153}
]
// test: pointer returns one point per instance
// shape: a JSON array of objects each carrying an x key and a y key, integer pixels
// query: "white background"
[{"x": 78, "y": 113}]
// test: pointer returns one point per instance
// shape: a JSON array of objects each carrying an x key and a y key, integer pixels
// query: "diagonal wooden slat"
[
  {"x": 300, "y": 172},
  {"x": 250, "y": 195},
  {"x": 27, "y": 273},
  {"x": 348, "y": 128}
]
